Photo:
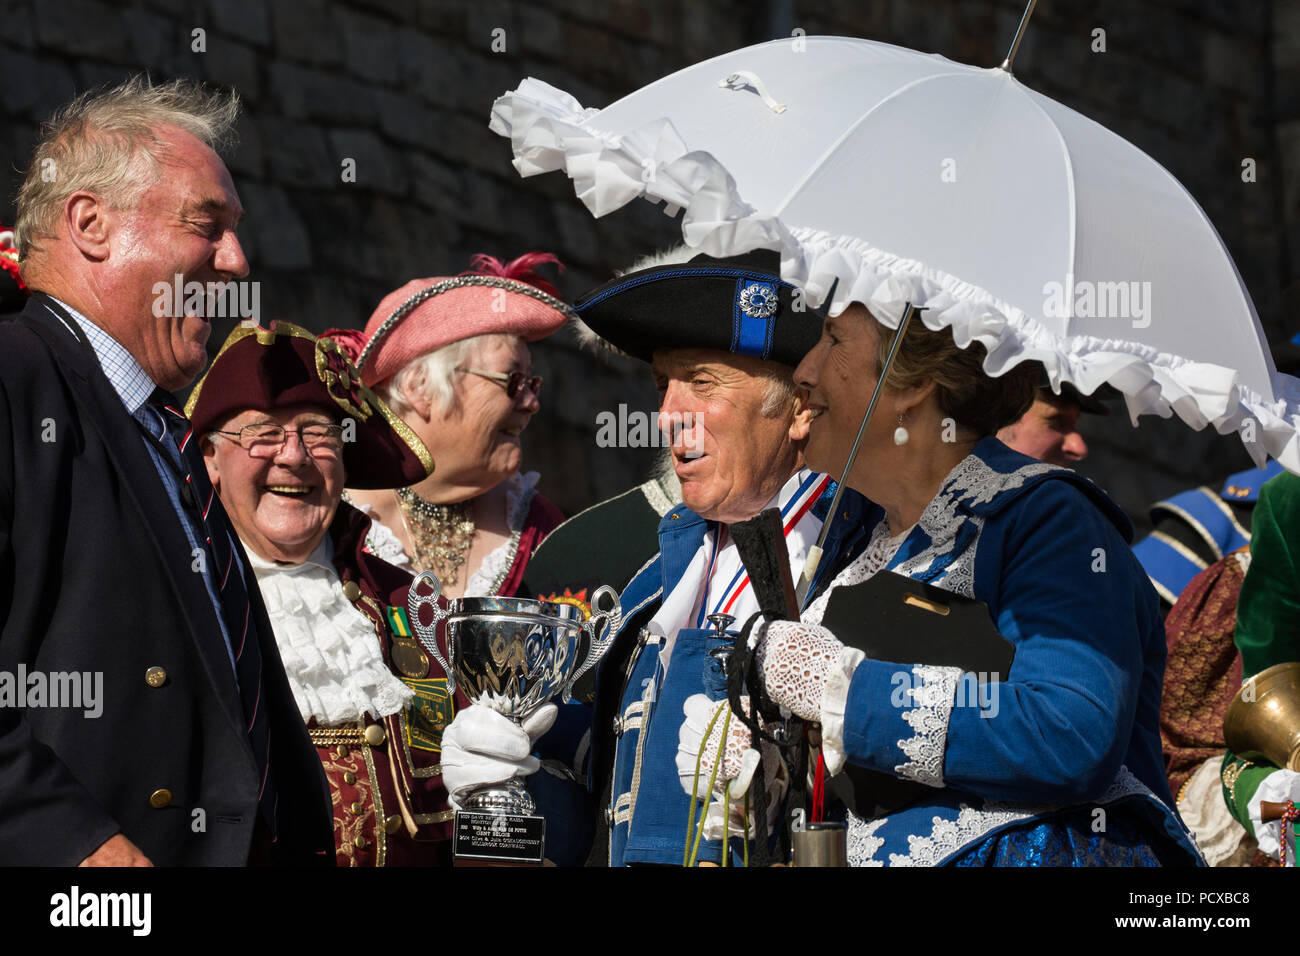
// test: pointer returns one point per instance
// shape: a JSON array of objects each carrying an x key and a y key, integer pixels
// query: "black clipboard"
[{"x": 894, "y": 618}]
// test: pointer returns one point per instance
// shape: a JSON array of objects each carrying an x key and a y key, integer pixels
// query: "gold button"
[
  {"x": 160, "y": 798},
  {"x": 375, "y": 735},
  {"x": 392, "y": 824},
  {"x": 155, "y": 677},
  {"x": 675, "y": 517},
  {"x": 356, "y": 809},
  {"x": 343, "y": 750},
  {"x": 349, "y": 778},
  {"x": 351, "y": 590},
  {"x": 359, "y": 843}
]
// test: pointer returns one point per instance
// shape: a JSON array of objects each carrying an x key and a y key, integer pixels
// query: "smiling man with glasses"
[{"x": 267, "y": 439}]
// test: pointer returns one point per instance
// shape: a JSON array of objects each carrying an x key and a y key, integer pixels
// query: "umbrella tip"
[{"x": 1020, "y": 35}]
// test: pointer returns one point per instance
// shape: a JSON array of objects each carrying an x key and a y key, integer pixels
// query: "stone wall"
[{"x": 404, "y": 90}]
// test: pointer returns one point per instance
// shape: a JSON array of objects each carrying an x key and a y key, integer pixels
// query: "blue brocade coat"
[
  {"x": 1066, "y": 769},
  {"x": 638, "y": 708}
]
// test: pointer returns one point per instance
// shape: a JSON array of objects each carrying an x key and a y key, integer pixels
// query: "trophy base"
[
  {"x": 499, "y": 825},
  {"x": 500, "y": 839}
]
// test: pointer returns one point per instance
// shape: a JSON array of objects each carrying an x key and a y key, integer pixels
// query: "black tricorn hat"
[{"x": 739, "y": 305}]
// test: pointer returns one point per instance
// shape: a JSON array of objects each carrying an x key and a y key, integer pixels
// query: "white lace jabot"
[{"x": 330, "y": 652}]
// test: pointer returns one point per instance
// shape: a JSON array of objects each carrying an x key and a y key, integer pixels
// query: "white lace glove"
[
  {"x": 796, "y": 660},
  {"x": 738, "y": 763},
  {"x": 482, "y": 747}
]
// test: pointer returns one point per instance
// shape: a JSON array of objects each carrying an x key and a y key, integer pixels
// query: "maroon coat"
[{"x": 390, "y": 805}]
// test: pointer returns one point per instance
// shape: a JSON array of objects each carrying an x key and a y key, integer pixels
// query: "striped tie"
[{"x": 204, "y": 506}]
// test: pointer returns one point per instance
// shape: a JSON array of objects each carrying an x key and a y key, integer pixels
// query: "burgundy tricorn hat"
[{"x": 266, "y": 369}]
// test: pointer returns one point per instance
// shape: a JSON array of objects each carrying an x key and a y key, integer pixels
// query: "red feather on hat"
[{"x": 523, "y": 269}]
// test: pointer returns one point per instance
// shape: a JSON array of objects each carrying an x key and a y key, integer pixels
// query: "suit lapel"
[{"x": 101, "y": 408}]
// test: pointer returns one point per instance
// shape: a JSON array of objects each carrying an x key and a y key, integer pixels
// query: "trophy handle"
[
  {"x": 428, "y": 633},
  {"x": 600, "y": 629}
]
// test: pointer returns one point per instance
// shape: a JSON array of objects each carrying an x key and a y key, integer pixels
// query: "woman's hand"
[{"x": 795, "y": 660}]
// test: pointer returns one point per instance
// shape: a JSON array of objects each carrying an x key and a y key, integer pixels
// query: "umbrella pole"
[
  {"x": 815, "y": 552},
  {"x": 1020, "y": 34}
]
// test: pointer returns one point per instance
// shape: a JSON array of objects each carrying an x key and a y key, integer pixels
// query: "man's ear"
[
  {"x": 801, "y": 424},
  {"x": 210, "y": 462},
  {"x": 88, "y": 222}
]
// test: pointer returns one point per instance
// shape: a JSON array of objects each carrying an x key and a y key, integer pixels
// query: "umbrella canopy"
[{"x": 885, "y": 176}]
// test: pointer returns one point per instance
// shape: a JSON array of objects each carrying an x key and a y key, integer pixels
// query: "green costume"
[{"x": 1268, "y": 617}]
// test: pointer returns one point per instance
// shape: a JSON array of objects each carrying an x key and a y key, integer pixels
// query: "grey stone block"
[
  {"x": 434, "y": 184},
  {"x": 297, "y": 154},
  {"x": 407, "y": 120},
  {"x": 1288, "y": 147},
  {"x": 249, "y": 156},
  {"x": 542, "y": 33},
  {"x": 247, "y": 19},
  {"x": 426, "y": 68},
  {"x": 16, "y": 24},
  {"x": 82, "y": 28},
  {"x": 282, "y": 241},
  {"x": 1234, "y": 64},
  {"x": 1286, "y": 93},
  {"x": 20, "y": 75},
  {"x": 156, "y": 43},
  {"x": 369, "y": 45},
  {"x": 378, "y": 167},
  {"x": 482, "y": 78},
  {"x": 1286, "y": 35},
  {"x": 471, "y": 143},
  {"x": 231, "y": 63},
  {"x": 323, "y": 95},
  {"x": 306, "y": 30}
]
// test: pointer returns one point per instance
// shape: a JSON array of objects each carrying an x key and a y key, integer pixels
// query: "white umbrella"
[{"x": 906, "y": 177}]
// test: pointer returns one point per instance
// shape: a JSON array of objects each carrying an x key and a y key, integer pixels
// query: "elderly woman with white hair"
[{"x": 450, "y": 356}]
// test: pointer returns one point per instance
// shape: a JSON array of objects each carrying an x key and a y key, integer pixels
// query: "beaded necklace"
[{"x": 441, "y": 534}]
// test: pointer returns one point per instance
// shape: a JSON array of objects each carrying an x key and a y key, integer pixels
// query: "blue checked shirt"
[{"x": 134, "y": 387}]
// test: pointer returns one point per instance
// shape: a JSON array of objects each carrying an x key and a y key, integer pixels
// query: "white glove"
[
  {"x": 739, "y": 761},
  {"x": 1278, "y": 787},
  {"x": 482, "y": 747},
  {"x": 795, "y": 660}
]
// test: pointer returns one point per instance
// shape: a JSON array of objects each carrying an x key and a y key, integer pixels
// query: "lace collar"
[{"x": 331, "y": 654}]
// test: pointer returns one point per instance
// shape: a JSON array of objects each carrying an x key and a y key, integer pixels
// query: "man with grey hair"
[
  {"x": 117, "y": 562},
  {"x": 722, "y": 337}
]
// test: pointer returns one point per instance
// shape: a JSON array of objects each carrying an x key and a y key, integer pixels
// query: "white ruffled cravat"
[{"x": 330, "y": 652}]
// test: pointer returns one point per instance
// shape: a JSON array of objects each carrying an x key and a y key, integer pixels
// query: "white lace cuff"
[
  {"x": 835, "y": 697},
  {"x": 1277, "y": 787},
  {"x": 933, "y": 691}
]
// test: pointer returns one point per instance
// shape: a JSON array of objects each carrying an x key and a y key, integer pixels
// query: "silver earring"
[{"x": 900, "y": 433}]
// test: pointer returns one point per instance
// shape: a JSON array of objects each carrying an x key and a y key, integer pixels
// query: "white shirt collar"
[{"x": 132, "y": 384}]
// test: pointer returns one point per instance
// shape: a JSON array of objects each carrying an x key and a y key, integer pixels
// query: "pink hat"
[{"x": 426, "y": 314}]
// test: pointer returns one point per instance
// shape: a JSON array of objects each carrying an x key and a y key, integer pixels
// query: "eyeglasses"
[
  {"x": 514, "y": 380},
  {"x": 266, "y": 440}
]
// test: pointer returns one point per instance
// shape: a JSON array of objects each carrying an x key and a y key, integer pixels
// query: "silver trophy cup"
[{"x": 513, "y": 655}]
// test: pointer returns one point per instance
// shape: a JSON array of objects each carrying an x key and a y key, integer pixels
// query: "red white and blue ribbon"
[{"x": 792, "y": 512}]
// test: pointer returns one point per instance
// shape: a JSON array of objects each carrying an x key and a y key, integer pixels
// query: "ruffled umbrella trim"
[{"x": 550, "y": 131}]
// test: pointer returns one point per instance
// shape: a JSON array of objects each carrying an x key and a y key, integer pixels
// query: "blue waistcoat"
[{"x": 648, "y": 808}]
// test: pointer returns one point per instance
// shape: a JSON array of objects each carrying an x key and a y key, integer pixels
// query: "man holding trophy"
[{"x": 722, "y": 338}]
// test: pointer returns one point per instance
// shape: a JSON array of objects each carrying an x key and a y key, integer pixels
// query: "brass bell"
[{"x": 1263, "y": 720}]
